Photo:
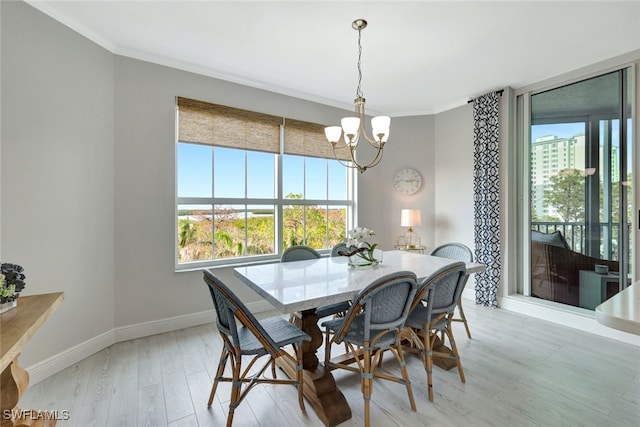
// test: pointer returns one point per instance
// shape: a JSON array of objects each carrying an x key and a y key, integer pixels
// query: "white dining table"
[{"x": 301, "y": 286}]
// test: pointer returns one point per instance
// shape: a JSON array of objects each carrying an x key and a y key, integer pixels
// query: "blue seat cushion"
[{"x": 553, "y": 239}]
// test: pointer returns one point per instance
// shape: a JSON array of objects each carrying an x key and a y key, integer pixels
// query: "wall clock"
[{"x": 407, "y": 181}]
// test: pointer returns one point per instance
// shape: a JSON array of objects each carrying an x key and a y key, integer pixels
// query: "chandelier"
[{"x": 354, "y": 127}]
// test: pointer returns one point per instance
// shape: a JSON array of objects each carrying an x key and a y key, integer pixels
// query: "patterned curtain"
[{"x": 486, "y": 196}]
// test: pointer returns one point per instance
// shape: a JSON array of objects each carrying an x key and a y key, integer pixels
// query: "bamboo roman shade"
[
  {"x": 204, "y": 123},
  {"x": 307, "y": 139}
]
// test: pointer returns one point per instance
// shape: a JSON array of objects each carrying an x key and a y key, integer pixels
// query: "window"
[{"x": 249, "y": 185}]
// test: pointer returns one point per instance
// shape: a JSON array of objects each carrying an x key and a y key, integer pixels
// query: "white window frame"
[{"x": 279, "y": 201}]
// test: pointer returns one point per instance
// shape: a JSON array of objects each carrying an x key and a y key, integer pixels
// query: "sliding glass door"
[{"x": 579, "y": 159}]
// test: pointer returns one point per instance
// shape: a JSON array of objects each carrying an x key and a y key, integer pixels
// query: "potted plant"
[
  {"x": 11, "y": 284},
  {"x": 362, "y": 253}
]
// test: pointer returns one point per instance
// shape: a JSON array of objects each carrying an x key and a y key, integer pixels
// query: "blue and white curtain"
[{"x": 486, "y": 196}]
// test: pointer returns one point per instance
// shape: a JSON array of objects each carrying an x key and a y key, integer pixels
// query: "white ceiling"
[{"x": 418, "y": 57}]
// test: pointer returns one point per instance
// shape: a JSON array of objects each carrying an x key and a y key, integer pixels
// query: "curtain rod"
[{"x": 499, "y": 92}]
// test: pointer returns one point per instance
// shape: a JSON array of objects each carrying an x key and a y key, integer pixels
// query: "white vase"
[
  {"x": 368, "y": 259},
  {"x": 6, "y": 306}
]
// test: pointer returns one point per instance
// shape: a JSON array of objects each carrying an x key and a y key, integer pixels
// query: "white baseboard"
[
  {"x": 573, "y": 317},
  {"x": 161, "y": 326},
  {"x": 63, "y": 360},
  {"x": 56, "y": 363}
]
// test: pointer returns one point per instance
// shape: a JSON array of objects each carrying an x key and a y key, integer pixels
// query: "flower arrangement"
[
  {"x": 361, "y": 252},
  {"x": 11, "y": 284}
]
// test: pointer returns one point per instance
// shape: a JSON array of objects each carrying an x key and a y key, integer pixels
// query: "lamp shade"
[
  {"x": 333, "y": 133},
  {"x": 410, "y": 217},
  {"x": 380, "y": 126},
  {"x": 350, "y": 125}
]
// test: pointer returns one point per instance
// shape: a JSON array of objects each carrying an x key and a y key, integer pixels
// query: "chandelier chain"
[{"x": 358, "y": 90}]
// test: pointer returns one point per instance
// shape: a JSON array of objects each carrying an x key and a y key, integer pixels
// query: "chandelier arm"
[
  {"x": 342, "y": 143},
  {"x": 353, "y": 163},
  {"x": 372, "y": 142},
  {"x": 362, "y": 129},
  {"x": 351, "y": 166},
  {"x": 372, "y": 163},
  {"x": 375, "y": 160}
]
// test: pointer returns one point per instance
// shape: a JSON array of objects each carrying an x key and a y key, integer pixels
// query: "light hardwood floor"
[{"x": 520, "y": 371}]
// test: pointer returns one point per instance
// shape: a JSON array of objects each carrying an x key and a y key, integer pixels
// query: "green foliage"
[
  {"x": 566, "y": 194},
  {"x": 230, "y": 236}
]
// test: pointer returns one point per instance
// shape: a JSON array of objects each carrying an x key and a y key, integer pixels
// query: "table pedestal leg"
[
  {"x": 13, "y": 382},
  {"x": 319, "y": 385}
]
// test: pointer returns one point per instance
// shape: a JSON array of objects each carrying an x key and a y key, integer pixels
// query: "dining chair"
[
  {"x": 300, "y": 253},
  {"x": 459, "y": 252},
  {"x": 253, "y": 338},
  {"x": 432, "y": 312},
  {"x": 339, "y": 247},
  {"x": 371, "y": 326}
]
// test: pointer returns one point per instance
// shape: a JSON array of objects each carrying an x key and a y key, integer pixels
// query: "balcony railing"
[{"x": 575, "y": 235}]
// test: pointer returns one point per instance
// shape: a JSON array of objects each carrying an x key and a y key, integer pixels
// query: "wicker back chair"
[
  {"x": 252, "y": 338},
  {"x": 459, "y": 252},
  {"x": 340, "y": 247},
  {"x": 372, "y": 325},
  {"x": 299, "y": 253},
  {"x": 432, "y": 312}
]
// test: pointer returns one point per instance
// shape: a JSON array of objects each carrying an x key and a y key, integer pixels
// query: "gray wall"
[
  {"x": 57, "y": 173},
  {"x": 411, "y": 144},
  {"x": 454, "y": 168}
]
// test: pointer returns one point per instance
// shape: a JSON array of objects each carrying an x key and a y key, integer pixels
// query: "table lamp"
[{"x": 411, "y": 218}]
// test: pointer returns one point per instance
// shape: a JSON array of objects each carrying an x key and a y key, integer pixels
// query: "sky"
[
  {"x": 561, "y": 130},
  {"x": 195, "y": 174}
]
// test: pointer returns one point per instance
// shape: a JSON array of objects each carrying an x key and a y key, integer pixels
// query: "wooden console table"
[{"x": 17, "y": 326}]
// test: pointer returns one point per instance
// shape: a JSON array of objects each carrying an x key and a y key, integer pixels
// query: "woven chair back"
[
  {"x": 457, "y": 251},
  {"x": 299, "y": 253},
  {"x": 442, "y": 289},
  {"x": 340, "y": 247},
  {"x": 229, "y": 308},
  {"x": 385, "y": 303}
]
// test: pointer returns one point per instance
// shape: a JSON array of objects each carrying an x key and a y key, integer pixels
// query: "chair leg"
[
  {"x": 299, "y": 377},
  {"x": 220, "y": 371},
  {"x": 428, "y": 362},
  {"x": 405, "y": 375},
  {"x": 327, "y": 347},
  {"x": 235, "y": 388},
  {"x": 366, "y": 380},
  {"x": 454, "y": 349},
  {"x": 464, "y": 318}
]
